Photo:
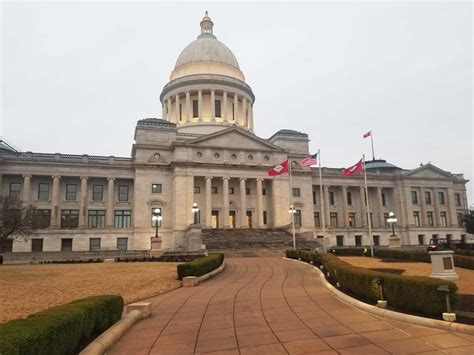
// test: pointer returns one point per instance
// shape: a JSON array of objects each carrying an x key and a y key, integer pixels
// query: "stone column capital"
[
  {"x": 56, "y": 177},
  {"x": 27, "y": 176},
  {"x": 243, "y": 179},
  {"x": 208, "y": 177},
  {"x": 260, "y": 179},
  {"x": 110, "y": 178},
  {"x": 226, "y": 178},
  {"x": 84, "y": 178}
]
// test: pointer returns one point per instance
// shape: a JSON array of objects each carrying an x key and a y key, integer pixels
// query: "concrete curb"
[
  {"x": 190, "y": 281},
  {"x": 408, "y": 318}
]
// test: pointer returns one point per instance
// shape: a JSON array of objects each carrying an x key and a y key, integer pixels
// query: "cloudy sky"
[{"x": 76, "y": 76}]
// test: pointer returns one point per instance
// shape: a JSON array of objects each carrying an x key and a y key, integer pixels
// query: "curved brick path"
[{"x": 274, "y": 306}]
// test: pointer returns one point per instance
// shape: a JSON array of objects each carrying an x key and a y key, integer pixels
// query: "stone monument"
[{"x": 442, "y": 265}]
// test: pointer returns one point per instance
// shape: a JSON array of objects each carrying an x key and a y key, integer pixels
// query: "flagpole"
[
  {"x": 368, "y": 209},
  {"x": 292, "y": 208},
  {"x": 372, "y": 142},
  {"x": 321, "y": 202}
]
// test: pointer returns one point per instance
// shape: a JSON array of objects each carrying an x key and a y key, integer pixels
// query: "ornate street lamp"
[
  {"x": 195, "y": 210},
  {"x": 292, "y": 211},
  {"x": 392, "y": 220},
  {"x": 157, "y": 219}
]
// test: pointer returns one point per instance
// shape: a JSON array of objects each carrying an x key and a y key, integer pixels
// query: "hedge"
[
  {"x": 304, "y": 255},
  {"x": 201, "y": 266},
  {"x": 466, "y": 262},
  {"x": 464, "y": 252},
  {"x": 63, "y": 329},
  {"x": 403, "y": 255},
  {"x": 350, "y": 251}
]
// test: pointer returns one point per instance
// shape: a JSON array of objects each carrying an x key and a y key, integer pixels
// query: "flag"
[
  {"x": 309, "y": 160},
  {"x": 356, "y": 168},
  {"x": 278, "y": 169},
  {"x": 368, "y": 134}
]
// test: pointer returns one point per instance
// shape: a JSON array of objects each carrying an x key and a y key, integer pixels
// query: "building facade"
[{"x": 204, "y": 151}]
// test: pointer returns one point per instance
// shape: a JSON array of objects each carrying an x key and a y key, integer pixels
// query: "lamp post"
[
  {"x": 392, "y": 220},
  {"x": 292, "y": 211},
  {"x": 195, "y": 210},
  {"x": 157, "y": 219}
]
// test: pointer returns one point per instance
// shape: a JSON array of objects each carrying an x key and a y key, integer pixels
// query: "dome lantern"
[{"x": 206, "y": 27}]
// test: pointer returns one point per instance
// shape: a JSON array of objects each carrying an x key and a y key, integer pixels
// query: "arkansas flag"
[
  {"x": 368, "y": 134},
  {"x": 354, "y": 169},
  {"x": 278, "y": 169}
]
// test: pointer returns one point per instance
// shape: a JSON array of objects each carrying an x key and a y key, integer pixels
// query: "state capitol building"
[{"x": 203, "y": 150}]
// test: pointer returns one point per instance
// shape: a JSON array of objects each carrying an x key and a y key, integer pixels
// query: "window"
[
  {"x": 383, "y": 199},
  {"x": 233, "y": 111},
  {"x": 449, "y": 238},
  {"x": 297, "y": 215},
  {"x": 247, "y": 190},
  {"x": 340, "y": 240},
  {"x": 265, "y": 221},
  {"x": 358, "y": 240},
  {"x": 333, "y": 217},
  {"x": 314, "y": 198},
  {"x": 156, "y": 221},
  {"x": 15, "y": 189},
  {"x": 385, "y": 217},
  {"x": 371, "y": 220},
  {"x": 122, "y": 219},
  {"x": 435, "y": 238},
  {"x": 317, "y": 223},
  {"x": 296, "y": 192},
  {"x": 97, "y": 192},
  {"x": 460, "y": 222},
  {"x": 69, "y": 218},
  {"x": 264, "y": 192},
  {"x": 441, "y": 197},
  {"x": 96, "y": 219},
  {"x": 376, "y": 239},
  {"x": 71, "y": 191},
  {"x": 457, "y": 199},
  {"x": 429, "y": 216},
  {"x": 416, "y": 216},
  {"x": 231, "y": 190},
  {"x": 66, "y": 244},
  {"x": 352, "y": 220},
  {"x": 122, "y": 243},
  {"x": 217, "y": 108},
  {"x": 43, "y": 192},
  {"x": 195, "y": 108},
  {"x": 197, "y": 190},
  {"x": 41, "y": 218},
  {"x": 331, "y": 198},
  {"x": 428, "y": 197},
  {"x": 8, "y": 246},
  {"x": 414, "y": 197},
  {"x": 444, "y": 221},
  {"x": 214, "y": 190},
  {"x": 421, "y": 239},
  {"x": 37, "y": 245},
  {"x": 123, "y": 193},
  {"x": 349, "y": 198},
  {"x": 180, "y": 112},
  {"x": 156, "y": 188},
  {"x": 94, "y": 244}
]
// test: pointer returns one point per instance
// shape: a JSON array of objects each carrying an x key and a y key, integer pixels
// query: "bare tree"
[{"x": 16, "y": 220}]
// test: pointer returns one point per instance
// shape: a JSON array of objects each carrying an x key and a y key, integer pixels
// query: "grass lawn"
[{"x": 26, "y": 289}]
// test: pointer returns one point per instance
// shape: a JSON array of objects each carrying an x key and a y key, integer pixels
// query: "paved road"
[{"x": 274, "y": 306}]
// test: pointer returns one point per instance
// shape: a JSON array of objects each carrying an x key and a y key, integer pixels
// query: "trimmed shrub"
[
  {"x": 464, "y": 252},
  {"x": 411, "y": 293},
  {"x": 63, "y": 329},
  {"x": 304, "y": 255},
  {"x": 421, "y": 256},
  {"x": 466, "y": 262},
  {"x": 200, "y": 266},
  {"x": 349, "y": 251}
]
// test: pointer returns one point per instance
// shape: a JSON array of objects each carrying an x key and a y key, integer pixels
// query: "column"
[
  {"x": 177, "y": 109},
  {"x": 327, "y": 214},
  {"x": 163, "y": 111},
  {"x": 224, "y": 107},
  {"x": 55, "y": 197},
  {"x": 83, "y": 203},
  {"x": 453, "y": 217},
  {"x": 437, "y": 217},
  {"x": 250, "y": 116},
  {"x": 109, "y": 217},
  {"x": 236, "y": 101},
  {"x": 424, "y": 219},
  {"x": 363, "y": 207},
  {"x": 380, "y": 207},
  {"x": 26, "y": 198},
  {"x": 188, "y": 106},
  {"x": 170, "y": 116},
  {"x": 243, "y": 205},
  {"x": 225, "y": 202},
  {"x": 208, "y": 207},
  {"x": 244, "y": 110},
  {"x": 344, "y": 207},
  {"x": 259, "y": 204},
  {"x": 199, "y": 105},
  {"x": 213, "y": 106}
]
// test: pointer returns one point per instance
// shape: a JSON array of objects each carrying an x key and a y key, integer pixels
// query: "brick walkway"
[{"x": 274, "y": 306}]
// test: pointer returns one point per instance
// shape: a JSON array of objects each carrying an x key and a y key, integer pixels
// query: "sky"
[{"x": 77, "y": 76}]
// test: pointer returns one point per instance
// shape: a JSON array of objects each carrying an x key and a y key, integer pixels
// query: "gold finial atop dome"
[{"x": 206, "y": 26}]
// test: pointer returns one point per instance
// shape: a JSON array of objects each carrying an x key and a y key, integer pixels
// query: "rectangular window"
[
  {"x": 333, "y": 216},
  {"x": 156, "y": 221},
  {"x": 296, "y": 192},
  {"x": 460, "y": 222},
  {"x": 298, "y": 218},
  {"x": 15, "y": 189},
  {"x": 97, "y": 192},
  {"x": 383, "y": 199},
  {"x": 340, "y": 240},
  {"x": 43, "y": 192},
  {"x": 233, "y": 111},
  {"x": 8, "y": 246},
  {"x": 66, "y": 244},
  {"x": 180, "y": 112},
  {"x": 414, "y": 197},
  {"x": 214, "y": 190},
  {"x": 317, "y": 223},
  {"x": 352, "y": 220},
  {"x": 416, "y": 216},
  {"x": 331, "y": 198},
  {"x": 428, "y": 197},
  {"x": 247, "y": 190},
  {"x": 218, "y": 108},
  {"x": 264, "y": 192},
  {"x": 376, "y": 240},
  {"x": 71, "y": 192},
  {"x": 197, "y": 190},
  {"x": 371, "y": 220},
  {"x": 441, "y": 197},
  {"x": 123, "y": 193},
  {"x": 349, "y": 198},
  {"x": 123, "y": 219},
  {"x": 41, "y": 218},
  {"x": 314, "y": 198},
  {"x": 195, "y": 108},
  {"x": 265, "y": 221},
  {"x": 385, "y": 217},
  {"x": 231, "y": 190},
  {"x": 94, "y": 244},
  {"x": 37, "y": 245},
  {"x": 69, "y": 218},
  {"x": 444, "y": 221},
  {"x": 421, "y": 239},
  {"x": 96, "y": 219},
  {"x": 122, "y": 243},
  {"x": 156, "y": 189},
  {"x": 429, "y": 217},
  {"x": 358, "y": 240},
  {"x": 457, "y": 199}
]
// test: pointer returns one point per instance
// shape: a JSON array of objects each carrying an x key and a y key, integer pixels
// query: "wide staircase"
[{"x": 253, "y": 242}]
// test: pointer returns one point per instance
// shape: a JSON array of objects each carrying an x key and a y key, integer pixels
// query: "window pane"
[
  {"x": 37, "y": 245},
  {"x": 97, "y": 192},
  {"x": 156, "y": 188},
  {"x": 71, "y": 190},
  {"x": 122, "y": 243},
  {"x": 195, "y": 108},
  {"x": 41, "y": 218},
  {"x": 122, "y": 218},
  {"x": 96, "y": 219},
  {"x": 43, "y": 192},
  {"x": 94, "y": 244},
  {"x": 66, "y": 244},
  {"x": 69, "y": 218},
  {"x": 218, "y": 108},
  {"x": 15, "y": 189},
  {"x": 123, "y": 193}
]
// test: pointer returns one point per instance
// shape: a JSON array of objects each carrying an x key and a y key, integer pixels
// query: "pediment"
[
  {"x": 429, "y": 171},
  {"x": 234, "y": 138}
]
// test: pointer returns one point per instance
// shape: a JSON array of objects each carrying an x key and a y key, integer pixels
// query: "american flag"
[{"x": 309, "y": 160}]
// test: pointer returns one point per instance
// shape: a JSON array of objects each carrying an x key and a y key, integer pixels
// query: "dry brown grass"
[{"x": 26, "y": 289}]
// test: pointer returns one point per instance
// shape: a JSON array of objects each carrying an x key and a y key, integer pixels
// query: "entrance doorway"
[
  {"x": 215, "y": 219},
  {"x": 249, "y": 219},
  {"x": 232, "y": 219}
]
